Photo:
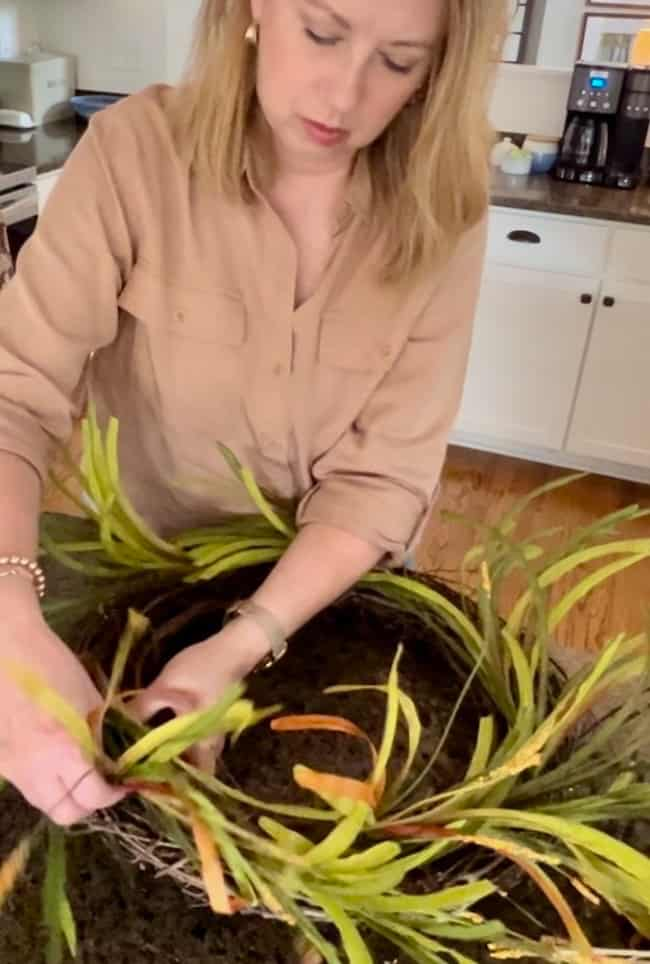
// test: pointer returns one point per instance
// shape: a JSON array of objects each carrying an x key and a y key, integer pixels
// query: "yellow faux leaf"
[{"x": 53, "y": 704}]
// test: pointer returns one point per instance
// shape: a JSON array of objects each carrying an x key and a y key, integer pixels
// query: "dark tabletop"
[{"x": 49, "y": 146}]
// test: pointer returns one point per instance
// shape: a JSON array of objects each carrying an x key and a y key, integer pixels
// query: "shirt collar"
[{"x": 358, "y": 194}]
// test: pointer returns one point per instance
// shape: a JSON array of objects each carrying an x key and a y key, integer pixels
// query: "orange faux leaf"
[
  {"x": 331, "y": 724},
  {"x": 149, "y": 787},
  {"x": 237, "y": 904},
  {"x": 334, "y": 788},
  {"x": 316, "y": 721},
  {"x": 13, "y": 867},
  {"x": 95, "y": 719},
  {"x": 211, "y": 868}
]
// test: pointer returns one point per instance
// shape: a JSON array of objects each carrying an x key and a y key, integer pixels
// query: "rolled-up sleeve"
[
  {"x": 61, "y": 305},
  {"x": 380, "y": 479}
]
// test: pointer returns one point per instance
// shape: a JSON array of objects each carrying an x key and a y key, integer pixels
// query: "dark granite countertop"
[
  {"x": 49, "y": 146},
  {"x": 543, "y": 193},
  {"x": 46, "y": 148}
]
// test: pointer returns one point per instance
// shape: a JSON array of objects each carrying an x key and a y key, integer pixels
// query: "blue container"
[
  {"x": 85, "y": 105},
  {"x": 544, "y": 151},
  {"x": 543, "y": 163}
]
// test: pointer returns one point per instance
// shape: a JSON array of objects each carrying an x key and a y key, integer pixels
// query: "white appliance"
[
  {"x": 35, "y": 88},
  {"x": 18, "y": 202}
]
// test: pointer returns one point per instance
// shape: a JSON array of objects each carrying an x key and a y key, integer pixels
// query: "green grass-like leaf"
[{"x": 57, "y": 913}]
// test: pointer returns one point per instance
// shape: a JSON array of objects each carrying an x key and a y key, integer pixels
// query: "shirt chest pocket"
[
  {"x": 193, "y": 343},
  {"x": 347, "y": 346}
]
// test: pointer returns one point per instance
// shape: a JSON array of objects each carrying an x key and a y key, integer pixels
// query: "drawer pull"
[
  {"x": 586, "y": 299},
  {"x": 524, "y": 237},
  {"x": 609, "y": 302}
]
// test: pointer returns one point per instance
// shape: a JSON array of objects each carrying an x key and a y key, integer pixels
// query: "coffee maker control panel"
[{"x": 596, "y": 90}]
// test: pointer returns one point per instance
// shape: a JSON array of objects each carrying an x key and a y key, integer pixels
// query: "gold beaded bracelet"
[{"x": 19, "y": 565}]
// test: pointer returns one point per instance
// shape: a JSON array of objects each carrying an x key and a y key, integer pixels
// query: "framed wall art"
[{"x": 608, "y": 37}]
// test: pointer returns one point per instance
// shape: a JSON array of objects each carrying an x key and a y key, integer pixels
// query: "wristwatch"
[{"x": 266, "y": 621}]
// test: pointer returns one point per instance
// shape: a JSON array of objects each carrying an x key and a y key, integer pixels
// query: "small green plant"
[{"x": 346, "y": 859}]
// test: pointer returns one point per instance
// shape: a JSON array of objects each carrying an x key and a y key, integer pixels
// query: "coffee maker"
[
  {"x": 606, "y": 128},
  {"x": 594, "y": 100}
]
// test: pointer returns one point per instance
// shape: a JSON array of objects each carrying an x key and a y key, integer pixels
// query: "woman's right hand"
[{"x": 36, "y": 754}]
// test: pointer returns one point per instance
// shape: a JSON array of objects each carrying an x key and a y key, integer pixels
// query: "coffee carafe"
[{"x": 594, "y": 100}]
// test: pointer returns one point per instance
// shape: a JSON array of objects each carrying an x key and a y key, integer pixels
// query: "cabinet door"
[
  {"x": 530, "y": 336},
  {"x": 612, "y": 414}
]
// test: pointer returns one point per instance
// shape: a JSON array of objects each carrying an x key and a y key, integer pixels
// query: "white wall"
[
  {"x": 560, "y": 33},
  {"x": 123, "y": 45},
  {"x": 120, "y": 46},
  {"x": 180, "y": 17},
  {"x": 18, "y": 26}
]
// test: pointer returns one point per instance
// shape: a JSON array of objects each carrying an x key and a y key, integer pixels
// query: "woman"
[{"x": 284, "y": 256}]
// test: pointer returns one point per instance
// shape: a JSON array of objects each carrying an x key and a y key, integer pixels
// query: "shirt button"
[
  {"x": 179, "y": 316},
  {"x": 278, "y": 369},
  {"x": 385, "y": 351}
]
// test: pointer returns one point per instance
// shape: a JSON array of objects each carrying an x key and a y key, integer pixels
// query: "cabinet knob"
[
  {"x": 609, "y": 302},
  {"x": 586, "y": 299},
  {"x": 524, "y": 237}
]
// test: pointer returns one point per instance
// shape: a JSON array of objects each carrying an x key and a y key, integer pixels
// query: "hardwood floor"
[{"x": 483, "y": 486}]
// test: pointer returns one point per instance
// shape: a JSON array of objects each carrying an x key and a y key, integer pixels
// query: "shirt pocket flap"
[
  {"x": 344, "y": 344},
  {"x": 208, "y": 315}
]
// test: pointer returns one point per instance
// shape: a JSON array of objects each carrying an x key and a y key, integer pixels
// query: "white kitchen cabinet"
[
  {"x": 531, "y": 331},
  {"x": 612, "y": 413},
  {"x": 546, "y": 242},
  {"x": 44, "y": 185}
]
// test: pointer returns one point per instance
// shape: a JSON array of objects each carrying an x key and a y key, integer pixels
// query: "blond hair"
[{"x": 429, "y": 169}]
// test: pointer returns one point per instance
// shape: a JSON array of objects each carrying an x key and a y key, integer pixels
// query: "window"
[{"x": 514, "y": 50}]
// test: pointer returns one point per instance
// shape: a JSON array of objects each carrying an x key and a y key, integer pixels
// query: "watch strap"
[{"x": 268, "y": 623}]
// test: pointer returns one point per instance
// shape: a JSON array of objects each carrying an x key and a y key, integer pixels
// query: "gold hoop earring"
[{"x": 252, "y": 34}]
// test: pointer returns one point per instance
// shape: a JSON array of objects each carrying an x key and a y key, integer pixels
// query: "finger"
[
  {"x": 94, "y": 793},
  {"x": 65, "y": 812},
  {"x": 156, "y": 699},
  {"x": 75, "y": 790},
  {"x": 204, "y": 755},
  {"x": 55, "y": 800}
]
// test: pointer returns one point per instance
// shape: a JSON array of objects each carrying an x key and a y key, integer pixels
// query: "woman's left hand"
[{"x": 196, "y": 677}]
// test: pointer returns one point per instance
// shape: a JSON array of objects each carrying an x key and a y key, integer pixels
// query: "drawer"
[
  {"x": 547, "y": 244},
  {"x": 630, "y": 256},
  {"x": 44, "y": 185}
]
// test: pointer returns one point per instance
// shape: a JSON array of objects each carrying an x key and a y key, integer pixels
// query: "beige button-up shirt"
[{"x": 173, "y": 307}]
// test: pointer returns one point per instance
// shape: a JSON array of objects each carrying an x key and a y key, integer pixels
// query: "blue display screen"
[{"x": 598, "y": 83}]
